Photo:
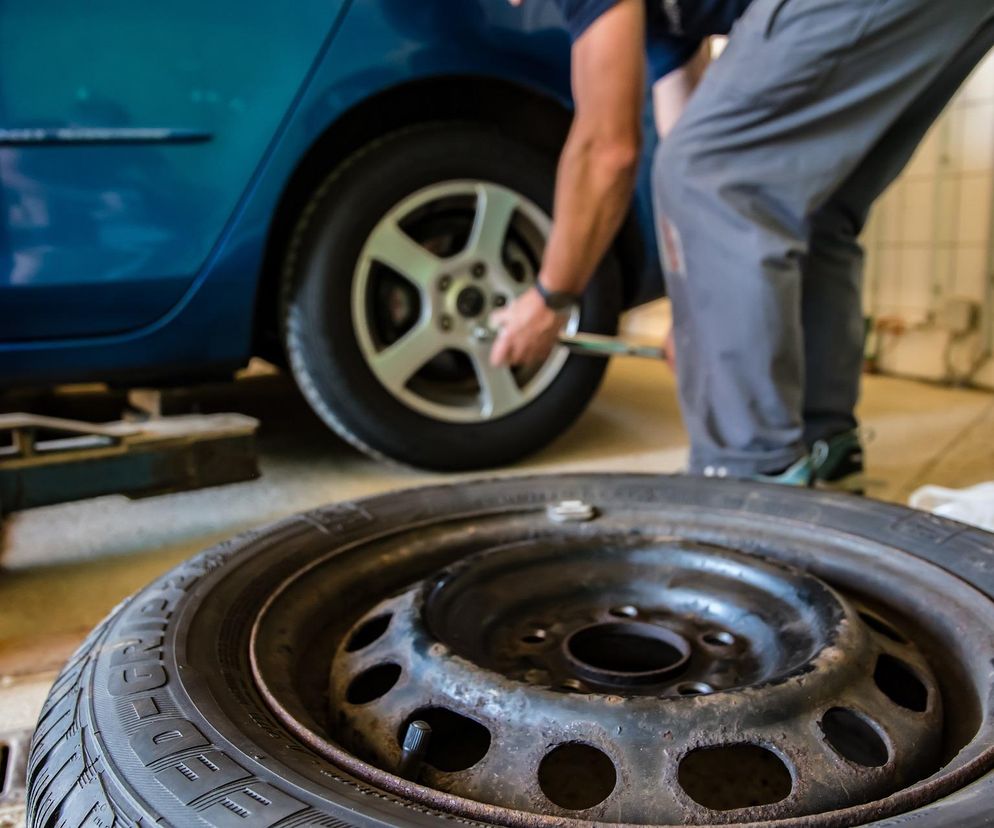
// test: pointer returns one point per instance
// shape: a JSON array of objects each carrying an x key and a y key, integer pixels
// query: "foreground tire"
[
  {"x": 399, "y": 257},
  {"x": 205, "y": 697}
]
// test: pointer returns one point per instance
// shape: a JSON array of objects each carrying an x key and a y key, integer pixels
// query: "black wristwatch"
[{"x": 557, "y": 300}]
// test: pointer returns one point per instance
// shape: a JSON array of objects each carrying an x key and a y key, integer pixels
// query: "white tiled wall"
[{"x": 930, "y": 242}]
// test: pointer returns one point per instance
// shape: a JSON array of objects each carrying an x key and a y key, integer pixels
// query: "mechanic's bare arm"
[
  {"x": 595, "y": 180},
  {"x": 599, "y": 163}
]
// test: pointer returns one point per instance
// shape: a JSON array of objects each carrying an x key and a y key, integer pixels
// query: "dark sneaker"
[
  {"x": 801, "y": 473},
  {"x": 841, "y": 464}
]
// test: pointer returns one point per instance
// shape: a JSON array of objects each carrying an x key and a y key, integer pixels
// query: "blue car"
[{"x": 344, "y": 187}]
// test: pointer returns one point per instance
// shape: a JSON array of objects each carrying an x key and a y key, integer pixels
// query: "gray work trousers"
[{"x": 761, "y": 192}]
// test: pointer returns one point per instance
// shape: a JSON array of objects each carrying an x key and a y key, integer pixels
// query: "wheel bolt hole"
[
  {"x": 457, "y": 742},
  {"x": 372, "y": 684},
  {"x": 899, "y": 683},
  {"x": 694, "y": 688},
  {"x": 720, "y": 639},
  {"x": 368, "y": 632},
  {"x": 730, "y": 777},
  {"x": 535, "y": 637},
  {"x": 576, "y": 776},
  {"x": 626, "y": 611},
  {"x": 882, "y": 627},
  {"x": 853, "y": 737}
]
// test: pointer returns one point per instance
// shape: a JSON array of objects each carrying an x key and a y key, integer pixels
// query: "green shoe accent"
[
  {"x": 842, "y": 465},
  {"x": 801, "y": 473}
]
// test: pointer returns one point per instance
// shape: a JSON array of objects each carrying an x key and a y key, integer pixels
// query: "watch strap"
[{"x": 556, "y": 300}]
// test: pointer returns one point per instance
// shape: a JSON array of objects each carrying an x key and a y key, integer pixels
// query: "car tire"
[
  {"x": 322, "y": 326},
  {"x": 156, "y": 720}
]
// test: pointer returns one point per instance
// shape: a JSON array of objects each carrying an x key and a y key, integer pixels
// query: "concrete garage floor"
[{"x": 62, "y": 568}]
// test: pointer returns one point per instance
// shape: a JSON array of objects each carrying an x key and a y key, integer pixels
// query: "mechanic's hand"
[{"x": 528, "y": 331}]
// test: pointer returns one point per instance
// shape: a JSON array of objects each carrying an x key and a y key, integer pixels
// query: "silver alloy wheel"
[{"x": 453, "y": 294}]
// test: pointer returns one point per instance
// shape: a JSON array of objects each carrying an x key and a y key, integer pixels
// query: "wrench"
[{"x": 594, "y": 345}]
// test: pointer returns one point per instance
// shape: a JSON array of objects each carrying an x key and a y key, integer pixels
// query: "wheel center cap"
[{"x": 470, "y": 302}]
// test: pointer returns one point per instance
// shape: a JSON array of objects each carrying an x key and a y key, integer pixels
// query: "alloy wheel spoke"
[
  {"x": 495, "y": 207},
  {"x": 499, "y": 389},
  {"x": 400, "y": 361},
  {"x": 391, "y": 246}
]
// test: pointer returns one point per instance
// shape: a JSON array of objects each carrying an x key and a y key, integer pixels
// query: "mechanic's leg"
[
  {"x": 832, "y": 310},
  {"x": 803, "y": 94},
  {"x": 832, "y": 322}
]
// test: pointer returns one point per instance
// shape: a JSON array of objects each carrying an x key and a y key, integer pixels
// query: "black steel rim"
[{"x": 853, "y": 698}]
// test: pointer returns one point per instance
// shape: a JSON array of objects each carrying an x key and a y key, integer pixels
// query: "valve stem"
[{"x": 415, "y": 747}]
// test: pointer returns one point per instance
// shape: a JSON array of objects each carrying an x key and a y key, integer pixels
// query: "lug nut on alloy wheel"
[
  {"x": 446, "y": 323},
  {"x": 479, "y": 270},
  {"x": 444, "y": 282},
  {"x": 500, "y": 301}
]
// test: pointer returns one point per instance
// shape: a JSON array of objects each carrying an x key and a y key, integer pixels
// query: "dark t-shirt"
[{"x": 675, "y": 28}]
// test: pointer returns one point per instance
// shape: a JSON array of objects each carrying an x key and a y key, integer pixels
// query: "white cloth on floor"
[{"x": 973, "y": 505}]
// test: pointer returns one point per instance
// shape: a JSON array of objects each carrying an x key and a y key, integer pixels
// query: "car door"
[{"x": 128, "y": 133}]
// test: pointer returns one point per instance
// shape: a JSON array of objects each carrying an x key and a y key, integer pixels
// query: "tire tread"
[
  {"x": 64, "y": 773},
  {"x": 291, "y": 319}
]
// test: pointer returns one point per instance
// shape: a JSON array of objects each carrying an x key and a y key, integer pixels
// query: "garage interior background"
[
  {"x": 929, "y": 287},
  {"x": 928, "y": 295}
]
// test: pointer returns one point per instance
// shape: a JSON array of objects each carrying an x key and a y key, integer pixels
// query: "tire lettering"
[
  {"x": 927, "y": 527},
  {"x": 145, "y": 708},
  {"x": 139, "y": 648},
  {"x": 181, "y": 582},
  {"x": 136, "y": 679},
  {"x": 191, "y": 778},
  {"x": 155, "y": 608},
  {"x": 143, "y": 626},
  {"x": 255, "y": 806},
  {"x": 165, "y": 737},
  {"x": 136, "y": 668}
]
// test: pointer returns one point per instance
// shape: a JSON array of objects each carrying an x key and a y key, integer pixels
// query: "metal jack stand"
[{"x": 50, "y": 460}]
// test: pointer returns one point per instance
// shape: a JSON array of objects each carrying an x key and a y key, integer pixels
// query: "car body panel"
[
  {"x": 150, "y": 123},
  {"x": 174, "y": 292}
]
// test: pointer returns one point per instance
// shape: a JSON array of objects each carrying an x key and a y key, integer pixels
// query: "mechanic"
[{"x": 761, "y": 190}]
